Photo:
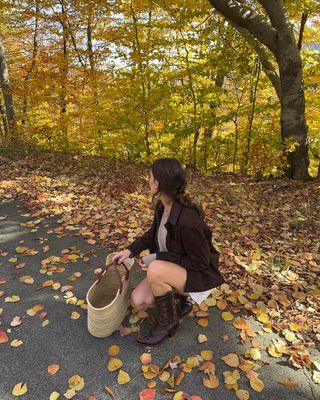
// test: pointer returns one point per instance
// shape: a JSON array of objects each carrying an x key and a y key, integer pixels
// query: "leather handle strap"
[{"x": 114, "y": 264}]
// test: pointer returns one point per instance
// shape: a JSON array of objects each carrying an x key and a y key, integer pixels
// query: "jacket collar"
[{"x": 174, "y": 212}]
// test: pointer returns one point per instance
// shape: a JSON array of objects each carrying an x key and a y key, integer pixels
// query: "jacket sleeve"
[
  {"x": 196, "y": 247},
  {"x": 146, "y": 241}
]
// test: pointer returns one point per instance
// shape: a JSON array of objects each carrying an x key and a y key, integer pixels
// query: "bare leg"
[
  {"x": 163, "y": 276},
  {"x": 142, "y": 296}
]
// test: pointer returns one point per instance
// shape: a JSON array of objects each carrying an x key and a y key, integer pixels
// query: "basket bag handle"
[{"x": 114, "y": 264}]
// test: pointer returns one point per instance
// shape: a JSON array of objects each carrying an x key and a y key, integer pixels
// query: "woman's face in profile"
[{"x": 153, "y": 183}]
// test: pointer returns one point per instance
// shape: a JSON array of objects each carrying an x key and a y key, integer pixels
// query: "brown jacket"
[{"x": 189, "y": 245}]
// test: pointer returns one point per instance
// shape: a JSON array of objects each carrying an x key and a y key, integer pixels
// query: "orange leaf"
[
  {"x": 289, "y": 384},
  {"x": 203, "y": 322},
  {"x": 113, "y": 350},
  {"x": 147, "y": 394},
  {"x": 109, "y": 391},
  {"x": 3, "y": 337},
  {"x": 53, "y": 369}
]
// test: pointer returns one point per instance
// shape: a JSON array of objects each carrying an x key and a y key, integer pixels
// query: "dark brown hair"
[{"x": 171, "y": 176}]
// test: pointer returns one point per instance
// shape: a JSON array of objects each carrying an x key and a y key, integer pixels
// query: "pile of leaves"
[{"x": 266, "y": 231}]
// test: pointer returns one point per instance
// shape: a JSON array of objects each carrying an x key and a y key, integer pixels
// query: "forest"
[{"x": 137, "y": 80}]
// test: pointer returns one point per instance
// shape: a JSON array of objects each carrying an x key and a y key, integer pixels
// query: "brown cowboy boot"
[
  {"x": 167, "y": 321},
  {"x": 184, "y": 305}
]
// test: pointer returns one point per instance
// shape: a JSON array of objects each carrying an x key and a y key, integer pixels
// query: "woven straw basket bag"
[{"x": 108, "y": 297}]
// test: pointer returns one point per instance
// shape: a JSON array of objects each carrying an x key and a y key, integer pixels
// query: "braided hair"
[{"x": 171, "y": 176}]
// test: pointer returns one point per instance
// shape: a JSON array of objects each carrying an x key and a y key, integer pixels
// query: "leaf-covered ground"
[{"x": 267, "y": 233}]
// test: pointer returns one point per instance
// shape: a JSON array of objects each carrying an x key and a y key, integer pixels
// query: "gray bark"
[
  {"x": 6, "y": 90},
  {"x": 277, "y": 36}
]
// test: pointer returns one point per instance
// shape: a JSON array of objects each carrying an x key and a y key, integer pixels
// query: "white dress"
[{"x": 198, "y": 297}]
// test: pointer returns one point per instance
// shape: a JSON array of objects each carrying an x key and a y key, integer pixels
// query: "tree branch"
[{"x": 244, "y": 17}]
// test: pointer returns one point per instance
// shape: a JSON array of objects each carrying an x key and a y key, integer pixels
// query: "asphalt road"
[{"x": 66, "y": 341}]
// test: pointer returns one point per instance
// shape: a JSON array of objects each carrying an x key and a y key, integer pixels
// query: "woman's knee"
[
  {"x": 154, "y": 271},
  {"x": 139, "y": 301}
]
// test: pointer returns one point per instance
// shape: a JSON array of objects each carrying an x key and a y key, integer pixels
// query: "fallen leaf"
[
  {"x": 76, "y": 382},
  {"x": 145, "y": 358},
  {"x": 203, "y": 322},
  {"x": 207, "y": 355},
  {"x": 192, "y": 362},
  {"x": 256, "y": 384},
  {"x": 27, "y": 279},
  {"x": 114, "y": 364},
  {"x": 289, "y": 384},
  {"x": 109, "y": 391},
  {"x": 16, "y": 343},
  {"x": 316, "y": 377},
  {"x": 53, "y": 369},
  {"x": 75, "y": 315},
  {"x": 227, "y": 316},
  {"x": 3, "y": 337},
  {"x": 69, "y": 394},
  {"x": 12, "y": 299},
  {"x": 231, "y": 359},
  {"x": 123, "y": 377},
  {"x": 54, "y": 396},
  {"x": 16, "y": 321},
  {"x": 147, "y": 394},
  {"x": 242, "y": 394},
  {"x": 202, "y": 338},
  {"x": 212, "y": 382},
  {"x": 20, "y": 389},
  {"x": 113, "y": 350}
]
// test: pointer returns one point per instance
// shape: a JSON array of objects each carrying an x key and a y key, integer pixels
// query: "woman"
[{"x": 182, "y": 260}]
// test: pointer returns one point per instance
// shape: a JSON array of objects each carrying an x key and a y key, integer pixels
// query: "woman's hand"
[
  {"x": 121, "y": 256},
  {"x": 142, "y": 264}
]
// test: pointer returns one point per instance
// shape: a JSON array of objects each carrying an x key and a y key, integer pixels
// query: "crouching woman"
[{"x": 182, "y": 262}]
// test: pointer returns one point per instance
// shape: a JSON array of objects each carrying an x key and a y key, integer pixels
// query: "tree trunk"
[
  {"x": 33, "y": 63},
  {"x": 277, "y": 35},
  {"x": 293, "y": 124},
  {"x": 6, "y": 90}
]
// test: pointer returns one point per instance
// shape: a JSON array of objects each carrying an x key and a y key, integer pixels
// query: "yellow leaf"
[
  {"x": 316, "y": 376},
  {"x": 242, "y": 394},
  {"x": 54, "y": 396},
  {"x": 254, "y": 354},
  {"x": 21, "y": 249},
  {"x": 12, "y": 299},
  {"x": 27, "y": 279},
  {"x": 113, "y": 350},
  {"x": 257, "y": 384},
  {"x": 207, "y": 355},
  {"x": 178, "y": 396},
  {"x": 69, "y": 394},
  {"x": 76, "y": 382},
  {"x": 114, "y": 364},
  {"x": 47, "y": 283},
  {"x": 20, "y": 389},
  {"x": 75, "y": 315},
  {"x": 13, "y": 259},
  {"x": 16, "y": 343},
  {"x": 164, "y": 376},
  {"x": 192, "y": 362},
  {"x": 231, "y": 359},
  {"x": 45, "y": 323},
  {"x": 152, "y": 384},
  {"x": 227, "y": 316},
  {"x": 273, "y": 351},
  {"x": 123, "y": 377}
]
